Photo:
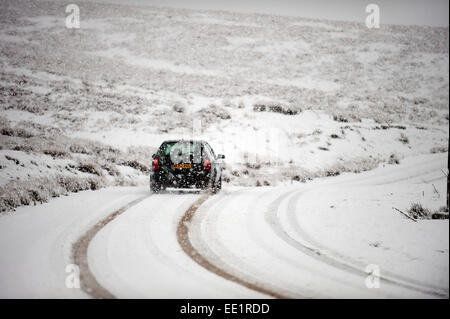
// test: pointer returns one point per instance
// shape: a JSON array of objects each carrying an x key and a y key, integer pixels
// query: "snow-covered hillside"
[{"x": 285, "y": 99}]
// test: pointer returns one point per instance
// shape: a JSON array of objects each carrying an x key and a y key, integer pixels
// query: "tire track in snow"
[
  {"x": 353, "y": 265},
  {"x": 293, "y": 292},
  {"x": 92, "y": 287},
  {"x": 316, "y": 251},
  {"x": 215, "y": 249},
  {"x": 189, "y": 249},
  {"x": 88, "y": 282},
  {"x": 271, "y": 218},
  {"x": 302, "y": 265}
]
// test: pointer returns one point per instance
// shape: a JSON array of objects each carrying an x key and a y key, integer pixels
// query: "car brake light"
[
  {"x": 155, "y": 163},
  {"x": 206, "y": 164}
]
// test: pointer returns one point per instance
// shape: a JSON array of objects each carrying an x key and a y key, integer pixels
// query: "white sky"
[{"x": 420, "y": 12}]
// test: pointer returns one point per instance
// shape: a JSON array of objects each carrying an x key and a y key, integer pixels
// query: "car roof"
[{"x": 182, "y": 140}]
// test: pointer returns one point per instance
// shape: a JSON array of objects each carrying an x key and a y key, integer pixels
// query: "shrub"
[
  {"x": 178, "y": 107},
  {"x": 136, "y": 165},
  {"x": 90, "y": 168},
  {"x": 393, "y": 159},
  {"x": 212, "y": 113},
  {"x": 253, "y": 165},
  {"x": 15, "y": 160},
  {"x": 403, "y": 138},
  {"x": 275, "y": 107},
  {"x": 78, "y": 148},
  {"x": 332, "y": 172},
  {"x": 18, "y": 132},
  {"x": 40, "y": 189},
  {"x": 340, "y": 118},
  {"x": 417, "y": 211},
  {"x": 111, "y": 169},
  {"x": 439, "y": 149},
  {"x": 23, "y": 148},
  {"x": 53, "y": 152}
]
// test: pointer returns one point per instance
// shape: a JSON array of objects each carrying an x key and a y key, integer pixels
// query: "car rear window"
[
  {"x": 181, "y": 148},
  {"x": 184, "y": 151}
]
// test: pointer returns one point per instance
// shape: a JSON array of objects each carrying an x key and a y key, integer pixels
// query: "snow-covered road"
[{"x": 300, "y": 240}]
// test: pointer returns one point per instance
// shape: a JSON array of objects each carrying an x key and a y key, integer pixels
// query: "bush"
[
  {"x": 332, "y": 172},
  {"x": 417, "y": 211},
  {"x": 14, "y": 160},
  {"x": 275, "y": 107},
  {"x": 96, "y": 157},
  {"x": 346, "y": 118},
  {"x": 41, "y": 189},
  {"x": 111, "y": 169},
  {"x": 53, "y": 152},
  {"x": 393, "y": 159},
  {"x": 178, "y": 107},
  {"x": 212, "y": 113},
  {"x": 252, "y": 165},
  {"x": 90, "y": 168},
  {"x": 438, "y": 149},
  {"x": 136, "y": 165},
  {"x": 404, "y": 139},
  {"x": 78, "y": 148},
  {"x": 340, "y": 118},
  {"x": 18, "y": 132}
]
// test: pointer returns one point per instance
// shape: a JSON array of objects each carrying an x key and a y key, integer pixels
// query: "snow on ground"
[
  {"x": 282, "y": 238},
  {"x": 37, "y": 163},
  {"x": 36, "y": 241},
  {"x": 37, "y": 166},
  {"x": 150, "y": 263},
  {"x": 286, "y": 99},
  {"x": 139, "y": 75},
  {"x": 357, "y": 222}
]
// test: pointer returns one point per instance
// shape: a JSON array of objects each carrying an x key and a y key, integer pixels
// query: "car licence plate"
[{"x": 181, "y": 166}]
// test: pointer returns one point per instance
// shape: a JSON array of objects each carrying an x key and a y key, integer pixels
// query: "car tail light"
[
  {"x": 155, "y": 163},
  {"x": 206, "y": 164}
]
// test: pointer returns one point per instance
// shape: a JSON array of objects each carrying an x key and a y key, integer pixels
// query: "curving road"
[
  {"x": 311, "y": 240},
  {"x": 248, "y": 243}
]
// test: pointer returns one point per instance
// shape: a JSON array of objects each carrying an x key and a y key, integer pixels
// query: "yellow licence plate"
[{"x": 182, "y": 165}]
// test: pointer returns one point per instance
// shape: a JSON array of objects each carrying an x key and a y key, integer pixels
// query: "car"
[{"x": 186, "y": 164}]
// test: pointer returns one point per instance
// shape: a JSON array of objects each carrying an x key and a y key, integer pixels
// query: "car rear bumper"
[{"x": 168, "y": 179}]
